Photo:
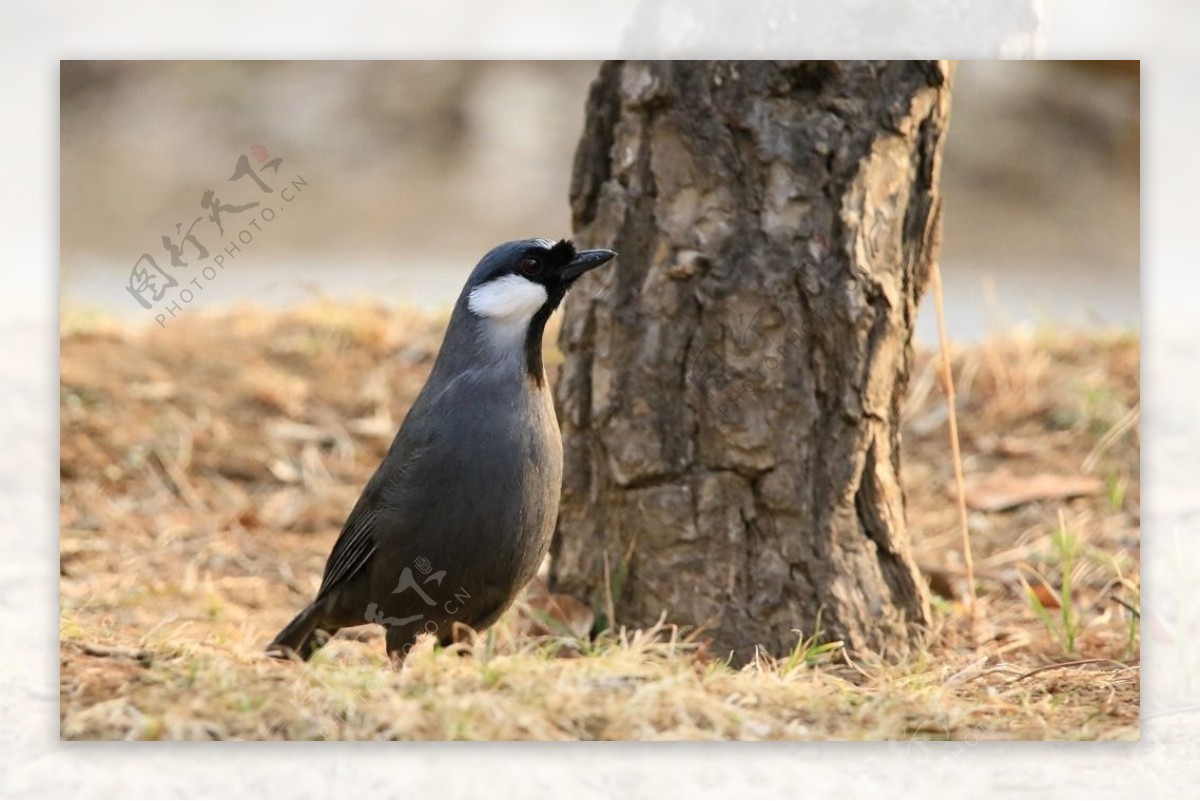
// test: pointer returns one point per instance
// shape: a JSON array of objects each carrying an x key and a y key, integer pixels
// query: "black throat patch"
[{"x": 537, "y": 327}]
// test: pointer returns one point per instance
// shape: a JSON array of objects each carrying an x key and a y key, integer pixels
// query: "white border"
[{"x": 32, "y": 762}]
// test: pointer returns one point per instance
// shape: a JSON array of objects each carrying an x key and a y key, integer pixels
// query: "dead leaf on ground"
[
  {"x": 940, "y": 582},
  {"x": 554, "y": 614},
  {"x": 996, "y": 492},
  {"x": 1045, "y": 595}
]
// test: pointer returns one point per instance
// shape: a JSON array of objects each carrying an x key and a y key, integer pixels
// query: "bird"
[{"x": 458, "y": 516}]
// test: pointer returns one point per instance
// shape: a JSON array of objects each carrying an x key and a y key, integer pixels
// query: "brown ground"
[{"x": 206, "y": 469}]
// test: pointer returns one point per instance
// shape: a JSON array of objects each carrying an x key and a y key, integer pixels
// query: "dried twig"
[
  {"x": 141, "y": 655},
  {"x": 177, "y": 481},
  {"x": 1077, "y": 663},
  {"x": 1132, "y": 609},
  {"x": 948, "y": 385}
]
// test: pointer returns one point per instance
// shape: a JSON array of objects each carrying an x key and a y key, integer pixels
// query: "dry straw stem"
[{"x": 960, "y": 484}]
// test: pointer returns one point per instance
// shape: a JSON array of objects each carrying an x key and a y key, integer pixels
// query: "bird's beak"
[{"x": 585, "y": 260}]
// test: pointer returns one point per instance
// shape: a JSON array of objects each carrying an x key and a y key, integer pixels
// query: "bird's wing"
[
  {"x": 385, "y": 500},
  {"x": 354, "y": 547},
  {"x": 357, "y": 544}
]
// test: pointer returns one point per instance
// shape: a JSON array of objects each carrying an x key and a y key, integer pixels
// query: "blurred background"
[{"x": 414, "y": 169}]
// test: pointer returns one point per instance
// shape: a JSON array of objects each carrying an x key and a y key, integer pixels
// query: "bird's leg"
[{"x": 400, "y": 641}]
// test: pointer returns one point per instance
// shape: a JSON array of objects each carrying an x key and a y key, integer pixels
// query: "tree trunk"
[{"x": 731, "y": 395}]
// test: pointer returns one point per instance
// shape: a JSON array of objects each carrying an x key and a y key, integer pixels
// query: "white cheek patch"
[{"x": 509, "y": 299}]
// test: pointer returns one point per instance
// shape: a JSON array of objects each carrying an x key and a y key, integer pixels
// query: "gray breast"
[{"x": 477, "y": 507}]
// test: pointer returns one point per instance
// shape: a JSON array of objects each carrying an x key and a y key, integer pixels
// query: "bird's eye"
[{"x": 530, "y": 266}]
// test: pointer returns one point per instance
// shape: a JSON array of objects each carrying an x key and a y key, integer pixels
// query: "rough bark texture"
[{"x": 731, "y": 395}]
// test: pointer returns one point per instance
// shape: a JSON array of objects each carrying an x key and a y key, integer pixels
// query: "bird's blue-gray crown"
[{"x": 542, "y": 261}]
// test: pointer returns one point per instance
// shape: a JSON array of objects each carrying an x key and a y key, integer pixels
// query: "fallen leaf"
[
  {"x": 380, "y": 425},
  {"x": 1046, "y": 595},
  {"x": 939, "y": 582},
  {"x": 155, "y": 392},
  {"x": 1021, "y": 446},
  {"x": 291, "y": 431},
  {"x": 996, "y": 492},
  {"x": 545, "y": 613}
]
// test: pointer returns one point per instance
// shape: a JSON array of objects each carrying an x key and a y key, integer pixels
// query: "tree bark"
[{"x": 730, "y": 400}]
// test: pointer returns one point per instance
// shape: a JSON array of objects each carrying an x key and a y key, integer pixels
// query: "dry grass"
[{"x": 206, "y": 469}]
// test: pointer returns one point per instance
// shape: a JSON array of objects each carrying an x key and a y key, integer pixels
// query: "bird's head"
[
  {"x": 519, "y": 279},
  {"x": 518, "y": 285}
]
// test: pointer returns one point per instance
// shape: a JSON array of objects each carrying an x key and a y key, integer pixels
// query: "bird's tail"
[{"x": 300, "y": 638}]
